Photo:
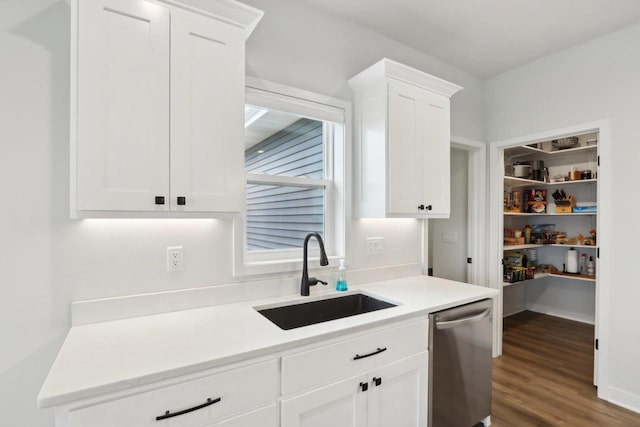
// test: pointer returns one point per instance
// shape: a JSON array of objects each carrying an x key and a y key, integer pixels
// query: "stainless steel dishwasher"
[{"x": 460, "y": 355}]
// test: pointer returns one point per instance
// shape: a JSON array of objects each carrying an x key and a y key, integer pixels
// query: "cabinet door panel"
[
  {"x": 207, "y": 124},
  {"x": 400, "y": 399},
  {"x": 340, "y": 404},
  {"x": 404, "y": 170},
  {"x": 123, "y": 105},
  {"x": 434, "y": 120}
]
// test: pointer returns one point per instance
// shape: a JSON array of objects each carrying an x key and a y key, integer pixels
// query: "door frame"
[
  {"x": 603, "y": 284},
  {"x": 476, "y": 207}
]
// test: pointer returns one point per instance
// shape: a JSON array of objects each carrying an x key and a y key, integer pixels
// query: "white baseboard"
[
  {"x": 569, "y": 315},
  {"x": 624, "y": 398},
  {"x": 101, "y": 310}
]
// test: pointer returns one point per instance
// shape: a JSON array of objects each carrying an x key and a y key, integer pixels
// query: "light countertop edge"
[{"x": 119, "y": 355}]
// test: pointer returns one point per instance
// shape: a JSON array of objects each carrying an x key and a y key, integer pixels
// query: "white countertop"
[{"x": 116, "y": 355}]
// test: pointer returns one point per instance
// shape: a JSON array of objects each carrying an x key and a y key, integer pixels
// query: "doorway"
[
  {"x": 456, "y": 247},
  {"x": 448, "y": 237}
]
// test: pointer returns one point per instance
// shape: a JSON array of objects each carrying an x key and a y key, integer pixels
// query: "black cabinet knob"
[
  {"x": 421, "y": 207},
  {"x": 182, "y": 200},
  {"x": 377, "y": 381},
  {"x": 429, "y": 207},
  {"x": 159, "y": 200},
  {"x": 364, "y": 386}
]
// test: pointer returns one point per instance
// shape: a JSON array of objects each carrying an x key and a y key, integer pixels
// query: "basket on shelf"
[{"x": 565, "y": 143}]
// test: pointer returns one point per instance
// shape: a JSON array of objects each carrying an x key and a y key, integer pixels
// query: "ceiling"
[{"x": 487, "y": 37}]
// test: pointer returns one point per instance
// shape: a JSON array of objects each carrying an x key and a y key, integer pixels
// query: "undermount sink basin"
[{"x": 309, "y": 313}]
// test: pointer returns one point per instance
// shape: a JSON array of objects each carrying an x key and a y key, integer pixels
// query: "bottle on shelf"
[
  {"x": 591, "y": 267},
  {"x": 583, "y": 264}
]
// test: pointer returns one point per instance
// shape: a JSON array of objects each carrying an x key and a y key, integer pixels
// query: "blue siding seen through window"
[{"x": 279, "y": 217}]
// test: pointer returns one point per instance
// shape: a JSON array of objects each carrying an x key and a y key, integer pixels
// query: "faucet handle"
[{"x": 313, "y": 281}]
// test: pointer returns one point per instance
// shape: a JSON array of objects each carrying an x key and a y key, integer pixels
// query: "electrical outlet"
[
  {"x": 174, "y": 258},
  {"x": 375, "y": 245}
]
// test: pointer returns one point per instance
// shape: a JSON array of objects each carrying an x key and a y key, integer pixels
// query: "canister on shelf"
[
  {"x": 516, "y": 205},
  {"x": 527, "y": 234}
]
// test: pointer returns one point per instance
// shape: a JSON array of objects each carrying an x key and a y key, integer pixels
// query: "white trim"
[
  {"x": 316, "y": 106},
  {"x": 291, "y": 181},
  {"x": 230, "y": 12},
  {"x": 624, "y": 398},
  {"x": 392, "y": 69},
  {"x": 477, "y": 208},
  {"x": 603, "y": 285}
]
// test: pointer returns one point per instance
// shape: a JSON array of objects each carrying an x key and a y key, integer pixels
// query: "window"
[{"x": 294, "y": 165}]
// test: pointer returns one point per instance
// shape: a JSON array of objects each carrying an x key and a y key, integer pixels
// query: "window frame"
[{"x": 335, "y": 114}]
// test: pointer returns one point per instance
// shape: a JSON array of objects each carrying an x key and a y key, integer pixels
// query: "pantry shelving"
[{"x": 517, "y": 214}]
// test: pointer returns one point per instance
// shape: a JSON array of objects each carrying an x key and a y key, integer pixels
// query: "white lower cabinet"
[
  {"x": 393, "y": 395},
  {"x": 342, "y": 403},
  {"x": 376, "y": 377},
  {"x": 398, "y": 393},
  {"x": 205, "y": 401}
]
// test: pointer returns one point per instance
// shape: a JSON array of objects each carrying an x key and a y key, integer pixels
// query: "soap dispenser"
[{"x": 341, "y": 284}]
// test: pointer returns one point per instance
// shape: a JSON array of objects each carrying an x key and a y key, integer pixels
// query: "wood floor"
[{"x": 544, "y": 376}]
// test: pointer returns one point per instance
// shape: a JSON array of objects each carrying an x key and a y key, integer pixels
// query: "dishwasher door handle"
[{"x": 464, "y": 321}]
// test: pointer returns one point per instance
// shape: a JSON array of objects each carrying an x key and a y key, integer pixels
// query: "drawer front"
[
  {"x": 263, "y": 417},
  {"x": 319, "y": 366},
  {"x": 239, "y": 390}
]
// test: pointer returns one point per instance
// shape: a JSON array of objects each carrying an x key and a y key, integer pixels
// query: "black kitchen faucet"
[{"x": 306, "y": 281}]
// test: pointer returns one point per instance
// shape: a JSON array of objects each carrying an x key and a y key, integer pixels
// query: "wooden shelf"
[
  {"x": 538, "y": 276},
  {"x": 550, "y": 214},
  {"x": 573, "y": 276},
  {"x": 574, "y": 246},
  {"x": 515, "y": 247},
  {"x": 525, "y": 150},
  {"x": 512, "y": 182}
]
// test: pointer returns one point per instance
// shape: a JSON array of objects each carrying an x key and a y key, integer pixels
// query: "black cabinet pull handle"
[
  {"x": 377, "y": 381},
  {"x": 169, "y": 414},
  {"x": 159, "y": 200},
  {"x": 182, "y": 200},
  {"x": 364, "y": 386},
  {"x": 378, "y": 351}
]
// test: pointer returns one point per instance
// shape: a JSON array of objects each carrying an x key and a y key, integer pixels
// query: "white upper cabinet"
[
  {"x": 207, "y": 115},
  {"x": 402, "y": 142},
  {"x": 157, "y": 106},
  {"x": 123, "y": 105}
]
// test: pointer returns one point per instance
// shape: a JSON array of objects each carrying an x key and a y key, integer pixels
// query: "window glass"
[{"x": 280, "y": 215}]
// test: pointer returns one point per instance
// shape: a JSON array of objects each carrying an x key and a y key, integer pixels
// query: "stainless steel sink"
[{"x": 309, "y": 313}]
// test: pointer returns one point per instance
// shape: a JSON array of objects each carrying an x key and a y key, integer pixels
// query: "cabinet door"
[
  {"x": 122, "y": 105},
  {"x": 207, "y": 114},
  {"x": 398, "y": 393},
  {"x": 341, "y": 404},
  {"x": 435, "y": 154},
  {"x": 404, "y": 148}
]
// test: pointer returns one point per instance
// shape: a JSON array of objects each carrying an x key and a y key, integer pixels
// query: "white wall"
[
  {"x": 449, "y": 259},
  {"x": 49, "y": 260},
  {"x": 593, "y": 81}
]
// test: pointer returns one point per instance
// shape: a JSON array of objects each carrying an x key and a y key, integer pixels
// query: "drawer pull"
[
  {"x": 168, "y": 414},
  {"x": 378, "y": 351},
  {"x": 377, "y": 381}
]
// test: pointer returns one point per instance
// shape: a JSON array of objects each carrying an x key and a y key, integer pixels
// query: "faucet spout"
[{"x": 306, "y": 281}]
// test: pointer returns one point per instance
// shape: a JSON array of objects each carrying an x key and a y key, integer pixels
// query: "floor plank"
[{"x": 545, "y": 376}]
